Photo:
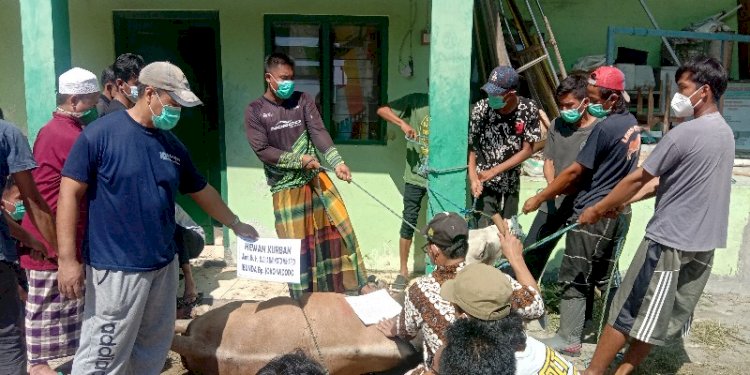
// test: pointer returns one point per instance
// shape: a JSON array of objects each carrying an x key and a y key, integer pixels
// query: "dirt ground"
[{"x": 719, "y": 342}]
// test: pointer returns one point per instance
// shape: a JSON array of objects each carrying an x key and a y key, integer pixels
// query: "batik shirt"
[
  {"x": 425, "y": 310},
  {"x": 281, "y": 133},
  {"x": 496, "y": 137}
]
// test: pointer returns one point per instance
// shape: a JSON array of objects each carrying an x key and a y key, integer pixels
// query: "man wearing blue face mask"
[
  {"x": 285, "y": 131},
  {"x": 129, "y": 168},
  {"x": 502, "y": 130},
  {"x": 566, "y": 137},
  {"x": 608, "y": 155},
  {"x": 126, "y": 69}
]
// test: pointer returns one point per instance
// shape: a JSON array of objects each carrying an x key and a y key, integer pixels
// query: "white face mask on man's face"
[{"x": 681, "y": 105}]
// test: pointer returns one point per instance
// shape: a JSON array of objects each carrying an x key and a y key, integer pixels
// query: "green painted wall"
[
  {"x": 580, "y": 26},
  {"x": 12, "y": 99},
  {"x": 46, "y": 55},
  {"x": 379, "y": 168}
]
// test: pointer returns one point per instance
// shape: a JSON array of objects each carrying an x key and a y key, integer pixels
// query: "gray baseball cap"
[{"x": 168, "y": 77}]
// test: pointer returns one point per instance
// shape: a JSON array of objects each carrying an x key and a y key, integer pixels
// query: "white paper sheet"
[
  {"x": 374, "y": 307},
  {"x": 269, "y": 259}
]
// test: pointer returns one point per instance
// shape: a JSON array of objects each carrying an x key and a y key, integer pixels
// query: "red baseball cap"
[{"x": 611, "y": 78}]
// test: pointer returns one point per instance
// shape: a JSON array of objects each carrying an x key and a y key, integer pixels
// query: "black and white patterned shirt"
[{"x": 495, "y": 137}]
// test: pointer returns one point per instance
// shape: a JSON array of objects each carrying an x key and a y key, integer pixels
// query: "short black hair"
[
  {"x": 476, "y": 346},
  {"x": 573, "y": 84},
  {"x": 294, "y": 363},
  {"x": 2, "y": 117},
  {"x": 275, "y": 59},
  {"x": 457, "y": 250},
  {"x": 128, "y": 66},
  {"x": 141, "y": 89},
  {"x": 705, "y": 71},
  {"x": 108, "y": 76}
]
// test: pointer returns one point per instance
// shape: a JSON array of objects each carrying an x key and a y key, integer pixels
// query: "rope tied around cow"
[{"x": 312, "y": 334}]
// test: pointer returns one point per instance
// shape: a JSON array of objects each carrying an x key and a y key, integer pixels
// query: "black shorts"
[
  {"x": 492, "y": 202},
  {"x": 413, "y": 195}
]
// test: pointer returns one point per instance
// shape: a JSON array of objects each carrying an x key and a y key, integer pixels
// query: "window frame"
[{"x": 326, "y": 22}]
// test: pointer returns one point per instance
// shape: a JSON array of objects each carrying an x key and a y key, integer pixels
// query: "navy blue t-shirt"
[
  {"x": 15, "y": 156},
  {"x": 133, "y": 175},
  {"x": 610, "y": 153}
]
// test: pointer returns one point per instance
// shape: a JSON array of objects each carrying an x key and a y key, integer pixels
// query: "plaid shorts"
[{"x": 53, "y": 322}]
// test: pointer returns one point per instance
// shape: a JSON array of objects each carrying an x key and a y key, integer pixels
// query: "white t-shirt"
[{"x": 539, "y": 359}]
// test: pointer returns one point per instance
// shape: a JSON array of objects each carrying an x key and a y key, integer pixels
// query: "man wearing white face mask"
[
  {"x": 126, "y": 69},
  {"x": 129, "y": 168},
  {"x": 502, "y": 129},
  {"x": 690, "y": 173}
]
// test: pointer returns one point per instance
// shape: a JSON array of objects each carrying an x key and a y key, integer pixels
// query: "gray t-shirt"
[
  {"x": 15, "y": 156},
  {"x": 694, "y": 163},
  {"x": 563, "y": 144}
]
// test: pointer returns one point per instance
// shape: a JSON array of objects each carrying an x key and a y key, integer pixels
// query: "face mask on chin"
[{"x": 86, "y": 117}]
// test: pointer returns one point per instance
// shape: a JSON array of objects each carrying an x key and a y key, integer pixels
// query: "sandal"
[
  {"x": 190, "y": 301},
  {"x": 399, "y": 285}
]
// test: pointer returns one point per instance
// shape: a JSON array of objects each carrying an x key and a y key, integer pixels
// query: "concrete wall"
[
  {"x": 379, "y": 168},
  {"x": 12, "y": 99}
]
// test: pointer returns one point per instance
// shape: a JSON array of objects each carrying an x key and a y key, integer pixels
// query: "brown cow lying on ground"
[{"x": 241, "y": 337}]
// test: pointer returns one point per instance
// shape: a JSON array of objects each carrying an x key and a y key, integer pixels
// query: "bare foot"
[{"x": 42, "y": 369}]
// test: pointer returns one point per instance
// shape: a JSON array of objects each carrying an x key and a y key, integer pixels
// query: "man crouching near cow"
[{"x": 426, "y": 311}]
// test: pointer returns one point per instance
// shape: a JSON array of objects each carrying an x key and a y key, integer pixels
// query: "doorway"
[{"x": 189, "y": 40}]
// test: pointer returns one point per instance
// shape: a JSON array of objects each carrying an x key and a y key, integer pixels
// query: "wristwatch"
[{"x": 234, "y": 222}]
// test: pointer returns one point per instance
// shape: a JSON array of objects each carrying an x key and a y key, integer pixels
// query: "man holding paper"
[{"x": 286, "y": 132}]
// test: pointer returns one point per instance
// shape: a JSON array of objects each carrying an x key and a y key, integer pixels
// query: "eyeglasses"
[{"x": 425, "y": 247}]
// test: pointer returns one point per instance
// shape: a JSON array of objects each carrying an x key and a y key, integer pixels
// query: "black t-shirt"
[{"x": 610, "y": 153}]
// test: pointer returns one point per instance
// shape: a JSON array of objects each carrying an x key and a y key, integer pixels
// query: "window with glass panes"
[{"x": 341, "y": 62}]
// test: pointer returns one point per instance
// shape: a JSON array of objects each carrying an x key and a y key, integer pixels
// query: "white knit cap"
[{"x": 78, "y": 81}]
